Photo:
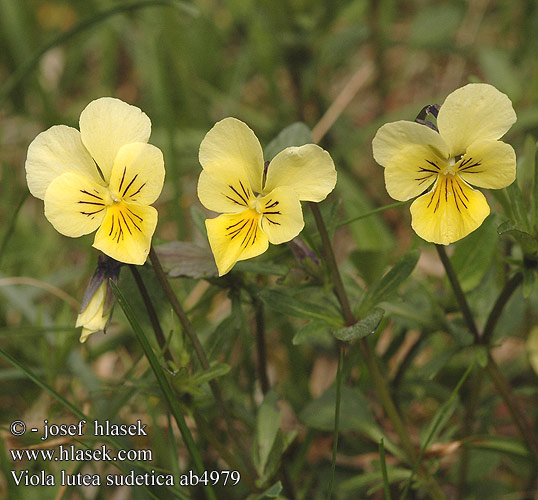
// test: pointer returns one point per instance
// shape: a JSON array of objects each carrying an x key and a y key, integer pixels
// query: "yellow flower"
[
  {"x": 103, "y": 177},
  {"x": 258, "y": 206},
  {"x": 465, "y": 151},
  {"x": 95, "y": 316}
]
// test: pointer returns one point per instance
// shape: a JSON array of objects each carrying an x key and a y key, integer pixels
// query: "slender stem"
[
  {"x": 369, "y": 356},
  {"x": 371, "y": 212},
  {"x": 154, "y": 319},
  {"x": 260, "y": 344},
  {"x": 509, "y": 288},
  {"x": 519, "y": 418},
  {"x": 191, "y": 333},
  {"x": 336, "y": 419},
  {"x": 458, "y": 292}
]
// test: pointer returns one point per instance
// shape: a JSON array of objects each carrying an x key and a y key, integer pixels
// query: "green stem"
[
  {"x": 371, "y": 212},
  {"x": 458, "y": 292},
  {"x": 260, "y": 344},
  {"x": 509, "y": 288},
  {"x": 369, "y": 356},
  {"x": 171, "y": 399},
  {"x": 336, "y": 419},
  {"x": 193, "y": 337},
  {"x": 159, "y": 334},
  {"x": 11, "y": 226}
]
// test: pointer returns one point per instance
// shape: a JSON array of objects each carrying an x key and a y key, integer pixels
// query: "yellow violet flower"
[
  {"x": 258, "y": 204},
  {"x": 102, "y": 178},
  {"x": 95, "y": 317},
  {"x": 466, "y": 151}
]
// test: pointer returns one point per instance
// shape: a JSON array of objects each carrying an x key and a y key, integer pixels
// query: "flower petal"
[
  {"x": 232, "y": 146},
  {"x": 449, "y": 212},
  {"x": 393, "y": 137},
  {"x": 126, "y": 232},
  {"x": 54, "y": 152},
  {"x": 477, "y": 111},
  {"x": 411, "y": 171},
  {"x": 138, "y": 173},
  {"x": 92, "y": 318},
  {"x": 282, "y": 216},
  {"x": 107, "y": 124},
  {"x": 308, "y": 169},
  {"x": 75, "y": 205},
  {"x": 488, "y": 164},
  {"x": 235, "y": 237},
  {"x": 223, "y": 190}
]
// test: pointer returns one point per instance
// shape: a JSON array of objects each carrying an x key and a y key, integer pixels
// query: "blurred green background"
[{"x": 357, "y": 64}]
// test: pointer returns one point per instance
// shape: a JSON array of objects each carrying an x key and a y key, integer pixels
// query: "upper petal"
[
  {"x": 488, "y": 164},
  {"x": 231, "y": 145},
  {"x": 393, "y": 137},
  {"x": 107, "y": 124},
  {"x": 54, "y": 152},
  {"x": 234, "y": 237},
  {"x": 308, "y": 169},
  {"x": 223, "y": 190},
  {"x": 282, "y": 216},
  {"x": 475, "y": 112},
  {"x": 75, "y": 205},
  {"x": 449, "y": 212},
  {"x": 138, "y": 173},
  {"x": 411, "y": 171},
  {"x": 126, "y": 232}
]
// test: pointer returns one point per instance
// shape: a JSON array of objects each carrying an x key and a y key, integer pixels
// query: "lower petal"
[
  {"x": 235, "y": 237},
  {"x": 449, "y": 212},
  {"x": 282, "y": 216},
  {"x": 126, "y": 232},
  {"x": 75, "y": 205}
]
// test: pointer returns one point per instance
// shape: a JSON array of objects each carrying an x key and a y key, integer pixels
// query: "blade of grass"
[
  {"x": 386, "y": 485},
  {"x": 11, "y": 225},
  {"x": 25, "y": 69},
  {"x": 171, "y": 399},
  {"x": 372, "y": 212}
]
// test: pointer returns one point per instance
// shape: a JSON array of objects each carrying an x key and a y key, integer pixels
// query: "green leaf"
[
  {"x": 529, "y": 243},
  {"x": 534, "y": 196},
  {"x": 473, "y": 255},
  {"x": 267, "y": 426},
  {"x": 517, "y": 204},
  {"x": 498, "y": 443},
  {"x": 181, "y": 258},
  {"x": 390, "y": 282},
  {"x": 362, "y": 328},
  {"x": 354, "y": 416},
  {"x": 529, "y": 281},
  {"x": 314, "y": 330},
  {"x": 296, "y": 134},
  {"x": 271, "y": 492},
  {"x": 198, "y": 218},
  {"x": 286, "y": 304},
  {"x": 216, "y": 370}
]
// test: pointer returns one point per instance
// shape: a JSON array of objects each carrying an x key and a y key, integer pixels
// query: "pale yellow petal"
[
  {"x": 282, "y": 216},
  {"x": 126, "y": 232},
  {"x": 475, "y": 112},
  {"x": 92, "y": 318},
  {"x": 224, "y": 191},
  {"x": 235, "y": 237},
  {"x": 138, "y": 173},
  {"x": 449, "y": 212},
  {"x": 54, "y": 152},
  {"x": 488, "y": 164},
  {"x": 411, "y": 171},
  {"x": 308, "y": 169},
  {"x": 107, "y": 124},
  {"x": 232, "y": 146},
  {"x": 75, "y": 205},
  {"x": 393, "y": 137}
]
